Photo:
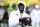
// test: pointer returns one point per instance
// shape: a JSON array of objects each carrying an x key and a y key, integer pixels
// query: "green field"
[{"x": 4, "y": 25}]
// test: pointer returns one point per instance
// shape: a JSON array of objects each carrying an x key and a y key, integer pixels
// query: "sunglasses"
[{"x": 21, "y": 6}]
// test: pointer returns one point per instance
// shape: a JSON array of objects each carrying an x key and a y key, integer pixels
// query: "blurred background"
[{"x": 7, "y": 6}]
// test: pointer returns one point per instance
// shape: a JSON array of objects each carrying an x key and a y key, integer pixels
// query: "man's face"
[
  {"x": 13, "y": 7},
  {"x": 21, "y": 8}
]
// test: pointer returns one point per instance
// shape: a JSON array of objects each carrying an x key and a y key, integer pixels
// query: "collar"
[{"x": 18, "y": 12}]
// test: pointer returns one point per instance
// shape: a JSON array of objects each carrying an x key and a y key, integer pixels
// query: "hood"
[{"x": 23, "y": 4}]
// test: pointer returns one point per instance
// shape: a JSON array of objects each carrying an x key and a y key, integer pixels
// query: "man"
[
  {"x": 1, "y": 15},
  {"x": 0, "y": 19},
  {"x": 5, "y": 16},
  {"x": 16, "y": 15},
  {"x": 13, "y": 8},
  {"x": 35, "y": 16}
]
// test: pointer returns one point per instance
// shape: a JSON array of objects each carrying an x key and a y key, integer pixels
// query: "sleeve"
[
  {"x": 11, "y": 20},
  {"x": 27, "y": 15},
  {"x": 32, "y": 15}
]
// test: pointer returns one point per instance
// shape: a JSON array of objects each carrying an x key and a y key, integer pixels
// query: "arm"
[
  {"x": 11, "y": 20},
  {"x": 25, "y": 21}
]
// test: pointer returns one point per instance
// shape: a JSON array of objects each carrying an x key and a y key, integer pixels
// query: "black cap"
[
  {"x": 14, "y": 5},
  {"x": 20, "y": 4}
]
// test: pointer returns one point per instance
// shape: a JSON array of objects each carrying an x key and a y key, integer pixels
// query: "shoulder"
[
  {"x": 26, "y": 14},
  {"x": 13, "y": 12}
]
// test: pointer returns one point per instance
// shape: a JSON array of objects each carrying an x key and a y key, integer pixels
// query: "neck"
[{"x": 21, "y": 11}]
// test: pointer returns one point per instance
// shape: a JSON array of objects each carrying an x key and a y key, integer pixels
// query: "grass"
[{"x": 4, "y": 25}]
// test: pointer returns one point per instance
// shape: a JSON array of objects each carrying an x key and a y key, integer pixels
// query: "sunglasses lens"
[{"x": 21, "y": 6}]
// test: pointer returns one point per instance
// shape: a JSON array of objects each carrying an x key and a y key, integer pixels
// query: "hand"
[{"x": 27, "y": 22}]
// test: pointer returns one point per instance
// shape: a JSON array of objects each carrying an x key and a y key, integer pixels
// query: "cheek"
[{"x": 21, "y": 8}]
